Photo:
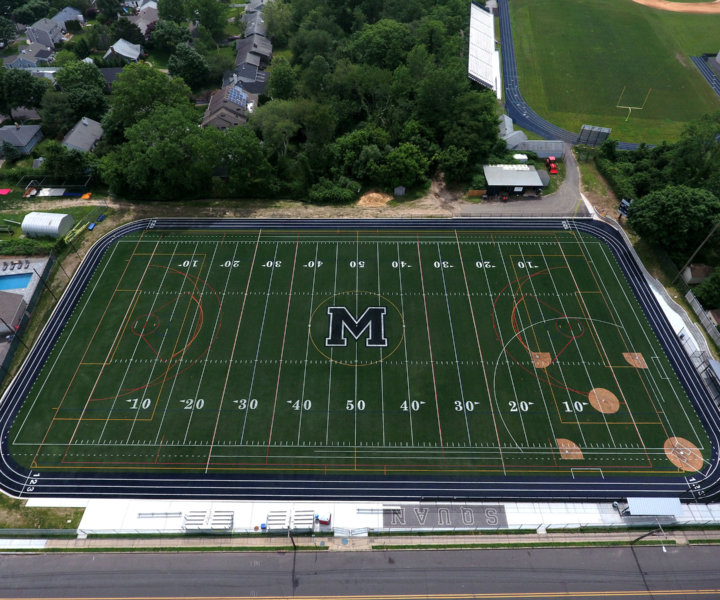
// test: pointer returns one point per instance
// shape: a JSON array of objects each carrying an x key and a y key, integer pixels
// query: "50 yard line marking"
[{"x": 232, "y": 352}]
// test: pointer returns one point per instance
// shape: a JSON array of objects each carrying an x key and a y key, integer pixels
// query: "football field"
[{"x": 329, "y": 352}]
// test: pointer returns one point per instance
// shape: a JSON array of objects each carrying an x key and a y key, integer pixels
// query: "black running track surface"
[
  {"x": 21, "y": 482},
  {"x": 515, "y": 106}
]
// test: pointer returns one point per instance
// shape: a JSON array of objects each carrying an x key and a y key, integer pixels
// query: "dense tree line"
[
  {"x": 374, "y": 94},
  {"x": 676, "y": 194}
]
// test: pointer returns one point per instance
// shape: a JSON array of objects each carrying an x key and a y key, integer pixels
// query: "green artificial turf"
[
  {"x": 209, "y": 351},
  {"x": 576, "y": 57}
]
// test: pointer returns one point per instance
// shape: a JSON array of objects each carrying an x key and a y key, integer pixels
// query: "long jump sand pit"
[{"x": 698, "y": 8}]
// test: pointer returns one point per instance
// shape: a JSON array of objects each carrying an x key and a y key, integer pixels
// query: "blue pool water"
[{"x": 16, "y": 281}]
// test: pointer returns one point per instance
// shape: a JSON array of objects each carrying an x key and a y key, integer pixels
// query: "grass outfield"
[
  {"x": 575, "y": 56},
  {"x": 337, "y": 352}
]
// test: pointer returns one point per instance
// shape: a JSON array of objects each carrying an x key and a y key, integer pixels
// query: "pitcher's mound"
[
  {"x": 541, "y": 360},
  {"x": 373, "y": 199},
  {"x": 604, "y": 401},
  {"x": 635, "y": 359},
  {"x": 569, "y": 450},
  {"x": 683, "y": 454}
]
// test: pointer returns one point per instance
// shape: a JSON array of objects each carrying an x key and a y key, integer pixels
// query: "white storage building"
[{"x": 42, "y": 224}]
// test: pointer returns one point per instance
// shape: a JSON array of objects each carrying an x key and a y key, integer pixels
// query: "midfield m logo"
[{"x": 371, "y": 323}]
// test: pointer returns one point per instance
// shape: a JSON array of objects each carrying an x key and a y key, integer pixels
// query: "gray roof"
[
  {"x": 45, "y": 25},
  {"x": 84, "y": 135},
  {"x": 253, "y": 44},
  {"x": 254, "y": 23},
  {"x": 68, "y": 14},
  {"x": 512, "y": 176},
  {"x": 18, "y": 136}
]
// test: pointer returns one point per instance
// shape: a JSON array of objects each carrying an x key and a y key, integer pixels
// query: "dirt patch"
[
  {"x": 635, "y": 359},
  {"x": 604, "y": 401},
  {"x": 374, "y": 199},
  {"x": 683, "y": 454},
  {"x": 569, "y": 450},
  {"x": 541, "y": 360},
  {"x": 698, "y": 8},
  {"x": 681, "y": 59}
]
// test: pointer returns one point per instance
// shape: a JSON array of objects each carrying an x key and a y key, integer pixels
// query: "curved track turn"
[
  {"x": 21, "y": 482},
  {"x": 515, "y": 106}
]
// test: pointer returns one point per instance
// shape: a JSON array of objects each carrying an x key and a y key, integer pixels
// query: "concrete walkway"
[{"x": 262, "y": 542}]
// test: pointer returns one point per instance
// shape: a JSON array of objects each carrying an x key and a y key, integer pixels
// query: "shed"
[
  {"x": 42, "y": 224},
  {"x": 696, "y": 273},
  {"x": 511, "y": 178}
]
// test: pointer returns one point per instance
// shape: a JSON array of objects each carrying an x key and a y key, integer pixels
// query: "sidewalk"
[{"x": 264, "y": 542}]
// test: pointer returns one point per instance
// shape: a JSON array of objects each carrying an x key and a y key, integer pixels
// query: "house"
[
  {"x": 696, "y": 273},
  {"x": 254, "y": 22},
  {"x": 22, "y": 137},
  {"x": 83, "y": 136},
  {"x": 229, "y": 107},
  {"x": 68, "y": 14},
  {"x": 124, "y": 49},
  {"x": 255, "y": 50},
  {"x": 511, "y": 179},
  {"x": 253, "y": 80},
  {"x": 147, "y": 14},
  {"x": 45, "y": 32},
  {"x": 30, "y": 57}
]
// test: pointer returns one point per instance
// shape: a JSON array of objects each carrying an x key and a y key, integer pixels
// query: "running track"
[
  {"x": 515, "y": 106},
  {"x": 21, "y": 482}
]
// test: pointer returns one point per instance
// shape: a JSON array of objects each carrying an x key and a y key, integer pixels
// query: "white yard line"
[
  {"x": 257, "y": 350},
  {"x": 380, "y": 350},
  {"x": 307, "y": 341},
  {"x": 232, "y": 352},
  {"x": 327, "y": 421},
  {"x": 455, "y": 352},
  {"x": 132, "y": 357},
  {"x": 407, "y": 358}
]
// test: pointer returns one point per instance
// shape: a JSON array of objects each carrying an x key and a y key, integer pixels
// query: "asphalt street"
[{"x": 641, "y": 572}]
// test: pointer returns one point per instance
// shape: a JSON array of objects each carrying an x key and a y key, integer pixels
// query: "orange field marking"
[{"x": 569, "y": 450}]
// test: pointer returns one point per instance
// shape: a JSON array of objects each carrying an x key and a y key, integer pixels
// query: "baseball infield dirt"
[{"x": 699, "y": 8}]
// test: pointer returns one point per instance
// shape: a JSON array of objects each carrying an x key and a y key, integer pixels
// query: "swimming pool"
[{"x": 16, "y": 281}]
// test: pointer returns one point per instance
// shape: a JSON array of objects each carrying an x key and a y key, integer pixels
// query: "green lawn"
[
  {"x": 575, "y": 57},
  {"x": 450, "y": 353}
]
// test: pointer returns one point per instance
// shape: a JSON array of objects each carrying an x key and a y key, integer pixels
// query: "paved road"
[{"x": 609, "y": 573}]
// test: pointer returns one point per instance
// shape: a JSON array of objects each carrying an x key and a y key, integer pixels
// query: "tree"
[
  {"x": 283, "y": 79},
  {"x": 278, "y": 16},
  {"x": 61, "y": 164},
  {"x": 162, "y": 159},
  {"x": 677, "y": 217},
  {"x": 79, "y": 74},
  {"x": 238, "y": 152},
  {"x": 22, "y": 89},
  {"x": 123, "y": 28},
  {"x": 405, "y": 165},
  {"x": 209, "y": 13},
  {"x": 8, "y": 32},
  {"x": 57, "y": 113},
  {"x": 109, "y": 8},
  {"x": 172, "y": 10},
  {"x": 9, "y": 152},
  {"x": 31, "y": 11},
  {"x": 708, "y": 292},
  {"x": 383, "y": 44},
  {"x": 88, "y": 102},
  {"x": 167, "y": 35},
  {"x": 696, "y": 156},
  {"x": 454, "y": 163},
  {"x": 138, "y": 90},
  {"x": 189, "y": 64}
]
